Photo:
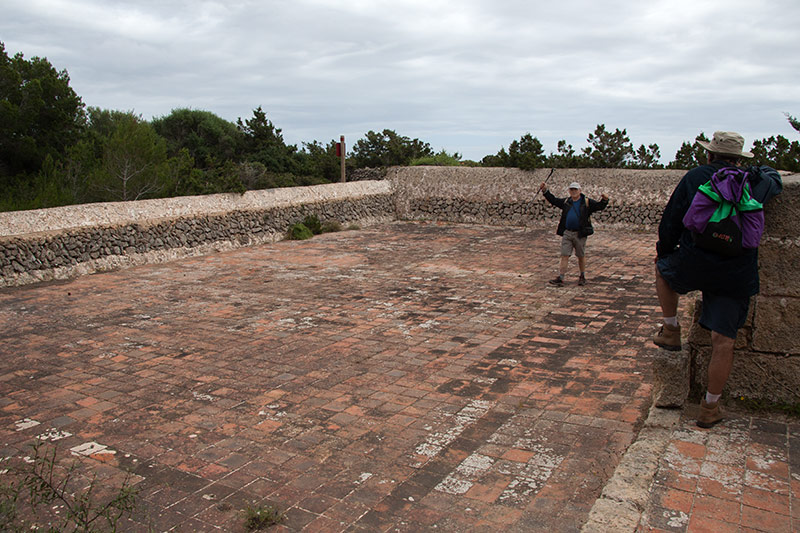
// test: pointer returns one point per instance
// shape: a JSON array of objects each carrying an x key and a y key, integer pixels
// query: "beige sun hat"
[{"x": 726, "y": 143}]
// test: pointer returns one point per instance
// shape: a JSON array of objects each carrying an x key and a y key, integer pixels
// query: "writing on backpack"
[{"x": 724, "y": 218}]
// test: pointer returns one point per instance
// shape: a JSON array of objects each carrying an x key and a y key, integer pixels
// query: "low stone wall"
[
  {"x": 65, "y": 242},
  {"x": 504, "y": 196}
]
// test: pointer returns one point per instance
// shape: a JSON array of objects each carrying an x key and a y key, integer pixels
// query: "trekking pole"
[{"x": 545, "y": 182}]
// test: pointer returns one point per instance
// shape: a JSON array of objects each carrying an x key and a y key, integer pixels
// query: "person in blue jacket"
[
  {"x": 727, "y": 283},
  {"x": 574, "y": 227}
]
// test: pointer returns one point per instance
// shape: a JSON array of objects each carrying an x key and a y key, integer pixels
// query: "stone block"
[
  {"x": 777, "y": 321},
  {"x": 781, "y": 212},
  {"x": 777, "y": 266},
  {"x": 755, "y": 375},
  {"x": 671, "y": 377}
]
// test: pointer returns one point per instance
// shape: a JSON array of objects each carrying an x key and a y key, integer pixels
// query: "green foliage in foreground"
[{"x": 42, "y": 497}]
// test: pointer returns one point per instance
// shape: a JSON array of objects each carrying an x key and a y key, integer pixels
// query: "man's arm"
[
  {"x": 765, "y": 182},
  {"x": 595, "y": 205},
  {"x": 558, "y": 202}
]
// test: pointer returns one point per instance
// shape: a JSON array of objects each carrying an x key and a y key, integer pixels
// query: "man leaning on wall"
[{"x": 726, "y": 283}]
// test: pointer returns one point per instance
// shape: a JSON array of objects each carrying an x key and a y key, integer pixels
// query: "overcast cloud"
[{"x": 467, "y": 76}]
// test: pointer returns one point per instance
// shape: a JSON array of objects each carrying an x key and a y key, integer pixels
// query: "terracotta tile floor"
[{"x": 405, "y": 377}]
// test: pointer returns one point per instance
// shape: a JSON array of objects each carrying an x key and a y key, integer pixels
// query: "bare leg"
[
  {"x": 582, "y": 264},
  {"x": 562, "y": 269},
  {"x": 666, "y": 296},
  {"x": 721, "y": 364}
]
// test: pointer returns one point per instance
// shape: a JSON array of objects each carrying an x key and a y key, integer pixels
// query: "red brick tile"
[
  {"x": 716, "y": 509},
  {"x": 702, "y": 524},
  {"x": 766, "y": 501},
  {"x": 764, "y": 520}
]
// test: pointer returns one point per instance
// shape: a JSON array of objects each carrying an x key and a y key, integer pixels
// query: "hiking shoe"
[
  {"x": 582, "y": 280},
  {"x": 668, "y": 337},
  {"x": 709, "y": 415},
  {"x": 557, "y": 281}
]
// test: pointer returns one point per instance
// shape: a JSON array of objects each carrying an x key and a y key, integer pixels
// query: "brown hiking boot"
[
  {"x": 710, "y": 414},
  {"x": 668, "y": 337}
]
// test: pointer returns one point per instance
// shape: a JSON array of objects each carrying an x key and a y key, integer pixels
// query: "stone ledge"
[
  {"x": 625, "y": 496},
  {"x": 121, "y": 213}
]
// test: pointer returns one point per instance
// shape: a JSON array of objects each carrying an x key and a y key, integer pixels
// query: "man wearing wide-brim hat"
[{"x": 726, "y": 282}]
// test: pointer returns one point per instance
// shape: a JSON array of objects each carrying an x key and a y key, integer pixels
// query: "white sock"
[
  {"x": 712, "y": 398},
  {"x": 671, "y": 321}
]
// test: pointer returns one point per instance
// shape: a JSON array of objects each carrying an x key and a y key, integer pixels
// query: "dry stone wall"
[
  {"x": 70, "y": 241},
  {"x": 504, "y": 196}
]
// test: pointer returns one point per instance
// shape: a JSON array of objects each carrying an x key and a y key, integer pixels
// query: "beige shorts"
[{"x": 570, "y": 241}]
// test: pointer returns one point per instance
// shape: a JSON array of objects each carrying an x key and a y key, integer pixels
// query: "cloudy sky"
[{"x": 466, "y": 76}]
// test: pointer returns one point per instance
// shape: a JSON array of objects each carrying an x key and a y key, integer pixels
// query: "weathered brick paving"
[
  {"x": 742, "y": 476},
  {"x": 398, "y": 378}
]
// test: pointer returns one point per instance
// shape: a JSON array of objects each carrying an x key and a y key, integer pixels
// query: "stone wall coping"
[{"x": 120, "y": 213}]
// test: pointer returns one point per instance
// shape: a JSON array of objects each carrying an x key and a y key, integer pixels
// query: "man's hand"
[
  {"x": 604, "y": 196},
  {"x": 543, "y": 187}
]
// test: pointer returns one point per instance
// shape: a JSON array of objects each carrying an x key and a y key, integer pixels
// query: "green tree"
[
  {"x": 565, "y": 157},
  {"x": 500, "y": 159},
  {"x": 40, "y": 114},
  {"x": 777, "y": 152},
  {"x": 387, "y": 148},
  {"x": 607, "y": 149},
  {"x": 527, "y": 153},
  {"x": 690, "y": 155},
  {"x": 133, "y": 161},
  {"x": 647, "y": 157},
  {"x": 209, "y": 139},
  {"x": 794, "y": 122},
  {"x": 321, "y": 161},
  {"x": 263, "y": 143}
]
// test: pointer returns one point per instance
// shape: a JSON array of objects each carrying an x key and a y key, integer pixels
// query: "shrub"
[
  {"x": 441, "y": 159},
  {"x": 312, "y": 222},
  {"x": 43, "y": 492},
  {"x": 299, "y": 232},
  {"x": 331, "y": 226}
]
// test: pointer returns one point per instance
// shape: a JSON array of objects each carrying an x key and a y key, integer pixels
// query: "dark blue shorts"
[{"x": 721, "y": 313}]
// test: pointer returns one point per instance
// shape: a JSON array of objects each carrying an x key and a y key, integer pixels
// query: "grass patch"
[
  {"x": 311, "y": 225},
  {"x": 262, "y": 517}
]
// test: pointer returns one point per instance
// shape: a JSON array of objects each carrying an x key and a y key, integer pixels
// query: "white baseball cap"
[{"x": 574, "y": 185}]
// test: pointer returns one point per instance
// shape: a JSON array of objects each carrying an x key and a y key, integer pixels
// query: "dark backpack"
[{"x": 724, "y": 218}]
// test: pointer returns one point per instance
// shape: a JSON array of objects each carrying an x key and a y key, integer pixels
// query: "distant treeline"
[{"x": 56, "y": 151}]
